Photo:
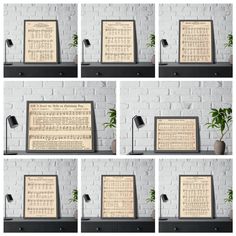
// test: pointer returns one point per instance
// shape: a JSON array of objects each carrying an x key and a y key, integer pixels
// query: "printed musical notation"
[
  {"x": 40, "y": 197},
  {"x": 176, "y": 134},
  {"x": 118, "y": 41},
  {"x": 195, "y": 41},
  {"x": 195, "y": 196},
  {"x": 40, "y": 41},
  {"x": 117, "y": 196},
  {"x": 60, "y": 126}
]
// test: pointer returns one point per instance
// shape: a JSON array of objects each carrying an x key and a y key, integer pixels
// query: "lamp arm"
[
  {"x": 160, "y": 207},
  {"x": 82, "y": 207},
  {"x": 133, "y": 134},
  {"x": 82, "y": 51},
  {"x": 5, "y": 206},
  {"x": 160, "y": 51},
  {"x": 5, "y": 60},
  {"x": 6, "y": 134}
]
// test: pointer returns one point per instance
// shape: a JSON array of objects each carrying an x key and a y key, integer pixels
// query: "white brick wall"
[
  {"x": 91, "y": 170},
  {"x": 17, "y": 93},
  {"x": 170, "y": 169},
  {"x": 15, "y": 14},
  {"x": 171, "y": 98},
  {"x": 15, "y": 169},
  {"x": 170, "y": 14},
  {"x": 92, "y": 14}
]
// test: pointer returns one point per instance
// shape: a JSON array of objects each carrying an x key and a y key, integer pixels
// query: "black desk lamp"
[
  {"x": 85, "y": 43},
  {"x": 139, "y": 124},
  {"x": 13, "y": 124},
  {"x": 164, "y": 43},
  {"x": 8, "y": 198},
  {"x": 85, "y": 198},
  {"x": 8, "y": 43},
  {"x": 164, "y": 198}
]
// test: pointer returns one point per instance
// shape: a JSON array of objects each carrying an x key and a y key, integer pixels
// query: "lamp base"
[
  {"x": 83, "y": 218},
  {"x": 7, "y": 218},
  {"x": 85, "y": 63},
  {"x": 10, "y": 153},
  {"x": 8, "y": 63},
  {"x": 161, "y": 218},
  {"x": 162, "y": 64},
  {"x": 135, "y": 153}
]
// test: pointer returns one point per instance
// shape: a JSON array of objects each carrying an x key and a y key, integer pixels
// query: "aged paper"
[
  {"x": 40, "y": 198},
  {"x": 176, "y": 134},
  {"x": 118, "y": 197},
  {"x": 40, "y": 42},
  {"x": 195, "y": 42},
  {"x": 195, "y": 197},
  {"x": 118, "y": 42},
  {"x": 60, "y": 126}
]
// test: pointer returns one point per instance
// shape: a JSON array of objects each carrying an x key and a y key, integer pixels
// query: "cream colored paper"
[
  {"x": 118, "y": 42},
  {"x": 118, "y": 196},
  {"x": 40, "y": 197},
  {"x": 195, "y": 197},
  {"x": 195, "y": 42},
  {"x": 176, "y": 134},
  {"x": 40, "y": 42},
  {"x": 60, "y": 126}
]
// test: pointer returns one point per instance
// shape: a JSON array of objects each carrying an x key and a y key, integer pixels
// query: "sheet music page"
[
  {"x": 60, "y": 126},
  {"x": 40, "y": 42},
  {"x": 118, "y": 41},
  {"x": 195, "y": 196},
  {"x": 195, "y": 42},
  {"x": 40, "y": 197},
  {"x": 118, "y": 196},
  {"x": 176, "y": 134}
]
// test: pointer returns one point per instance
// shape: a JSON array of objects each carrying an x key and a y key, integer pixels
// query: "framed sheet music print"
[
  {"x": 40, "y": 41},
  {"x": 40, "y": 196},
  {"x": 195, "y": 196},
  {"x": 118, "y": 41},
  {"x": 118, "y": 196},
  {"x": 176, "y": 134},
  {"x": 195, "y": 41},
  {"x": 65, "y": 126}
]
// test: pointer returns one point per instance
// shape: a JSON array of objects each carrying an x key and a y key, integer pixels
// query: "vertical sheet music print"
[
  {"x": 118, "y": 196},
  {"x": 176, "y": 134},
  {"x": 118, "y": 41},
  {"x": 195, "y": 41},
  {"x": 40, "y": 42},
  {"x": 40, "y": 197},
  {"x": 59, "y": 126},
  {"x": 195, "y": 196}
]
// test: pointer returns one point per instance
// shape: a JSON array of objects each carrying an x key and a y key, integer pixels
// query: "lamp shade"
[
  {"x": 86, "y": 43},
  {"x": 9, "y": 43},
  {"x": 9, "y": 197},
  {"x": 164, "y": 197},
  {"x": 139, "y": 121},
  {"x": 12, "y": 121},
  {"x": 86, "y": 197},
  {"x": 164, "y": 42}
]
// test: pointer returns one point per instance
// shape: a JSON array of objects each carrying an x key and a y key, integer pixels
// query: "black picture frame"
[
  {"x": 177, "y": 151},
  {"x": 134, "y": 42},
  {"x": 212, "y": 42},
  {"x": 134, "y": 197},
  {"x": 61, "y": 151},
  {"x": 212, "y": 197},
  {"x": 57, "y": 41},
  {"x": 57, "y": 197}
]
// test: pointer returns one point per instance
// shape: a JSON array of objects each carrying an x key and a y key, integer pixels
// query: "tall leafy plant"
[
  {"x": 74, "y": 43},
  {"x": 151, "y": 197},
  {"x": 112, "y": 119},
  {"x": 151, "y": 42},
  {"x": 74, "y": 197},
  {"x": 229, "y": 43},
  {"x": 229, "y": 197}
]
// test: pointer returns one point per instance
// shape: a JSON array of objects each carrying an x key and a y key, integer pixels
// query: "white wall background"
[
  {"x": 170, "y": 14},
  {"x": 91, "y": 170},
  {"x": 171, "y": 98},
  {"x": 170, "y": 169},
  {"x": 17, "y": 93},
  {"x": 15, "y": 14},
  {"x": 15, "y": 169},
  {"x": 92, "y": 14}
]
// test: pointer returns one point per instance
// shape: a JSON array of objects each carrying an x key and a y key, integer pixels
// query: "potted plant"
[
  {"x": 112, "y": 124},
  {"x": 221, "y": 120},
  {"x": 229, "y": 44},
  {"x": 229, "y": 199},
  {"x": 151, "y": 198},
  {"x": 151, "y": 44},
  {"x": 74, "y": 44},
  {"x": 74, "y": 199}
]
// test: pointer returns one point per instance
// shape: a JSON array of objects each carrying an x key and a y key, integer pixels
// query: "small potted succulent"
[
  {"x": 229, "y": 199},
  {"x": 151, "y": 198},
  {"x": 112, "y": 124},
  {"x": 221, "y": 120},
  {"x": 74, "y": 44},
  {"x": 74, "y": 199},
  {"x": 229, "y": 44},
  {"x": 151, "y": 44}
]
